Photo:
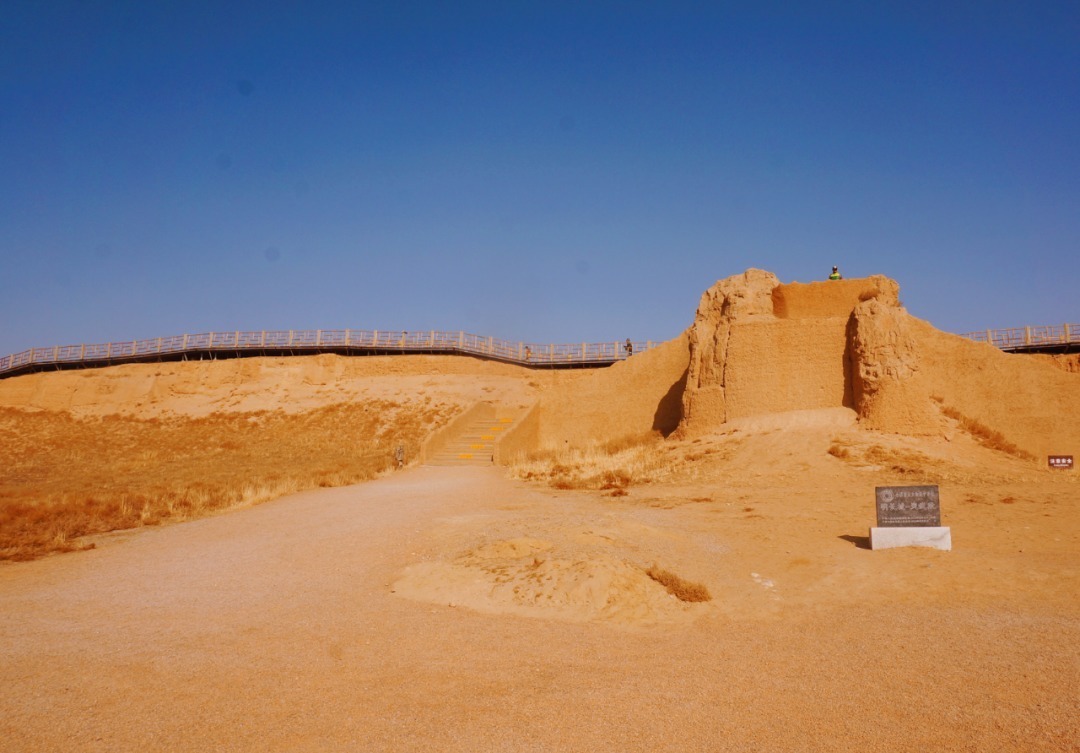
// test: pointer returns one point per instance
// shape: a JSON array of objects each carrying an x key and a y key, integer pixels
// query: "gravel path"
[{"x": 276, "y": 628}]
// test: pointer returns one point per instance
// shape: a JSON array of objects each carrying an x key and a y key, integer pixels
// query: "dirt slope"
[{"x": 197, "y": 388}]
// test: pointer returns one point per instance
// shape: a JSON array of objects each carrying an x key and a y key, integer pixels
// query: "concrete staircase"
[{"x": 474, "y": 444}]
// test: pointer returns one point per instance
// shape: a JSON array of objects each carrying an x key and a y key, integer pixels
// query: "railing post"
[
  {"x": 461, "y": 340},
  {"x": 1065, "y": 329},
  {"x": 262, "y": 338},
  {"x": 290, "y": 338},
  {"x": 108, "y": 351},
  {"x": 82, "y": 353},
  {"x": 1027, "y": 335},
  {"x": 159, "y": 345},
  {"x": 185, "y": 342}
]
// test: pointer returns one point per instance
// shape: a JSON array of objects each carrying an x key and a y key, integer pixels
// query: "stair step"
[{"x": 474, "y": 445}]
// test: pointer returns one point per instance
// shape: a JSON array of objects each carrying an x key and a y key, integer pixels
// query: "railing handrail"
[
  {"x": 352, "y": 340},
  {"x": 425, "y": 341},
  {"x": 1019, "y": 338}
]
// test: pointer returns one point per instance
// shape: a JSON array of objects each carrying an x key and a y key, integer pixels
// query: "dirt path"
[{"x": 278, "y": 628}]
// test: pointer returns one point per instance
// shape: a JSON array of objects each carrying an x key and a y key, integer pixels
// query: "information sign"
[
  {"x": 1064, "y": 462},
  {"x": 907, "y": 506}
]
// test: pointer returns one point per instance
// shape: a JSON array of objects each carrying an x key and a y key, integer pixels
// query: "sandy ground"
[{"x": 457, "y": 610}]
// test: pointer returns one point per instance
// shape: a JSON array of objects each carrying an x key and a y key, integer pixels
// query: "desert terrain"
[{"x": 670, "y": 555}]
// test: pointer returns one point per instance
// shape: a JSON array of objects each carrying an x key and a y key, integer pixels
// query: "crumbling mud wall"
[
  {"x": 889, "y": 382},
  {"x": 633, "y": 397},
  {"x": 761, "y": 347},
  {"x": 1032, "y": 404},
  {"x": 740, "y": 298},
  {"x": 1065, "y": 361},
  {"x": 776, "y": 366}
]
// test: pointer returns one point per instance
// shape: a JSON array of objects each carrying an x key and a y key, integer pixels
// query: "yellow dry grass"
[
  {"x": 987, "y": 437},
  {"x": 610, "y": 466},
  {"x": 682, "y": 590},
  {"x": 64, "y": 478},
  {"x": 616, "y": 465}
]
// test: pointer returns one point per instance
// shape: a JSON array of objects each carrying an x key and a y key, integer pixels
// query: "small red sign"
[{"x": 1060, "y": 461}]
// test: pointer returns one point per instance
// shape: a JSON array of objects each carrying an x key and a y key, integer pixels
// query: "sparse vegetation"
[
  {"x": 616, "y": 465},
  {"x": 984, "y": 435},
  {"x": 681, "y": 589},
  {"x": 64, "y": 478},
  {"x": 612, "y": 466},
  {"x": 838, "y": 450}
]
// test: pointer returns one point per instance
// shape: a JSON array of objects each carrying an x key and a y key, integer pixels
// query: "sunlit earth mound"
[{"x": 533, "y": 577}]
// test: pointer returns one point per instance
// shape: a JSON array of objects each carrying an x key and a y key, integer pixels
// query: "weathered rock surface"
[
  {"x": 888, "y": 385},
  {"x": 739, "y": 297}
]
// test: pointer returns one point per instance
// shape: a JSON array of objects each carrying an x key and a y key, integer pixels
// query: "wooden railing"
[
  {"x": 357, "y": 341},
  {"x": 349, "y": 341},
  {"x": 1029, "y": 338}
]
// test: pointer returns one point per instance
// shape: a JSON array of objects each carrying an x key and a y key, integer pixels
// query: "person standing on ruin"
[
  {"x": 629, "y": 348},
  {"x": 399, "y": 456},
  {"x": 836, "y": 274}
]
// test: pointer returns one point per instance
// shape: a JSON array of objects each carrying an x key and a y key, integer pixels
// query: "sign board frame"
[
  {"x": 907, "y": 506},
  {"x": 1060, "y": 462}
]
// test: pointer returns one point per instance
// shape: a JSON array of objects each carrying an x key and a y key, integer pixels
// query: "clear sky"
[{"x": 546, "y": 171}]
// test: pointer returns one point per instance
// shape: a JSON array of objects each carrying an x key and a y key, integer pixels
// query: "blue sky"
[{"x": 539, "y": 171}]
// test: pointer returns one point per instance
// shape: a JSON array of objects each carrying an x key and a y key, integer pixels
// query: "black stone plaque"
[
  {"x": 903, "y": 506},
  {"x": 1064, "y": 462}
]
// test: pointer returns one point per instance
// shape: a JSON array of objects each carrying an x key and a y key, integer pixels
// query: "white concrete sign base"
[{"x": 938, "y": 537}]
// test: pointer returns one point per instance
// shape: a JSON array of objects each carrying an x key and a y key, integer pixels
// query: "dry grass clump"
[
  {"x": 64, "y": 478},
  {"x": 612, "y": 466},
  {"x": 984, "y": 435},
  {"x": 904, "y": 462},
  {"x": 900, "y": 461},
  {"x": 839, "y": 450},
  {"x": 682, "y": 590}
]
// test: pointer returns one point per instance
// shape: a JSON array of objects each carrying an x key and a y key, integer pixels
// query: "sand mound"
[{"x": 535, "y": 578}]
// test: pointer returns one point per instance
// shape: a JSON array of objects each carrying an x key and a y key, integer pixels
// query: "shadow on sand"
[{"x": 863, "y": 542}]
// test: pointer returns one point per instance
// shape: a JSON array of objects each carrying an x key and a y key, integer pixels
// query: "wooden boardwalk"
[
  {"x": 1050, "y": 338},
  {"x": 235, "y": 344},
  {"x": 306, "y": 342}
]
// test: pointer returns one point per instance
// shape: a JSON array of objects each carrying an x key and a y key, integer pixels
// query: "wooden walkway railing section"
[
  {"x": 349, "y": 341},
  {"x": 355, "y": 341},
  {"x": 1029, "y": 338}
]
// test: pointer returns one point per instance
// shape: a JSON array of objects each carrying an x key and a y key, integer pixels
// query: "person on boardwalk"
[
  {"x": 629, "y": 347},
  {"x": 836, "y": 274}
]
